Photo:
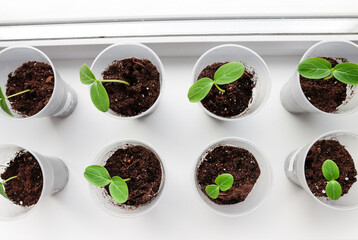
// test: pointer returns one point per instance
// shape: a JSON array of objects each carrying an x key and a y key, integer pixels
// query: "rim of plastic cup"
[
  {"x": 239, "y": 116},
  {"x": 54, "y": 80},
  {"x": 31, "y": 208},
  {"x": 160, "y": 69},
  {"x": 161, "y": 188},
  {"x": 303, "y": 175},
  {"x": 218, "y": 143},
  {"x": 299, "y": 85}
]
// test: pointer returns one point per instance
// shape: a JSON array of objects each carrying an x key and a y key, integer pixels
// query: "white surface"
[
  {"x": 18, "y": 10},
  {"x": 178, "y": 130}
]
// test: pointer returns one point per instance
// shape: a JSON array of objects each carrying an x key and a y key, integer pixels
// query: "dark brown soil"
[
  {"x": 143, "y": 167},
  {"x": 238, "y": 162},
  {"x": 320, "y": 152},
  {"x": 26, "y": 188},
  {"x": 36, "y": 76},
  {"x": 237, "y": 95},
  {"x": 144, "y": 80},
  {"x": 326, "y": 95}
]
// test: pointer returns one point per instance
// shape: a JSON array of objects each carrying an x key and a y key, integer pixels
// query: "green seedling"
[
  {"x": 330, "y": 172},
  {"x": 2, "y": 190},
  {"x": 98, "y": 93},
  {"x": 99, "y": 176},
  {"x": 318, "y": 68},
  {"x": 223, "y": 182},
  {"x": 3, "y": 103},
  {"x": 227, "y": 73}
]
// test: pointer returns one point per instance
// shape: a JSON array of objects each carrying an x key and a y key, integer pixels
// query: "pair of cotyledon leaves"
[
  {"x": 330, "y": 171},
  {"x": 222, "y": 183}
]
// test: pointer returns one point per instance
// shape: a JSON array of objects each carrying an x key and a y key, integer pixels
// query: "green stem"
[
  {"x": 329, "y": 77},
  {"x": 127, "y": 179},
  {"x": 28, "y": 90},
  {"x": 221, "y": 90},
  {"x": 9, "y": 179},
  {"x": 115, "y": 80}
]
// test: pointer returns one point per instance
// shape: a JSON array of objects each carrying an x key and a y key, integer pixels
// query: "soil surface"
[
  {"x": 238, "y": 162},
  {"x": 26, "y": 188},
  {"x": 36, "y": 76},
  {"x": 320, "y": 152},
  {"x": 237, "y": 95},
  {"x": 143, "y": 167},
  {"x": 326, "y": 95},
  {"x": 144, "y": 89}
]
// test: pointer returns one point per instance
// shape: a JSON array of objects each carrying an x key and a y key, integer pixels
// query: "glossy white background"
[{"x": 178, "y": 130}]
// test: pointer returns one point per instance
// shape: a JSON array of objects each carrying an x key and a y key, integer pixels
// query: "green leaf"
[
  {"x": 2, "y": 191},
  {"x": 212, "y": 191},
  {"x": 118, "y": 190},
  {"x": 229, "y": 72},
  {"x": 333, "y": 190},
  {"x": 224, "y": 181},
  {"x": 99, "y": 97},
  {"x": 330, "y": 170},
  {"x": 97, "y": 175},
  {"x": 346, "y": 73},
  {"x": 315, "y": 68},
  {"x": 86, "y": 75},
  {"x": 3, "y": 103},
  {"x": 200, "y": 89}
]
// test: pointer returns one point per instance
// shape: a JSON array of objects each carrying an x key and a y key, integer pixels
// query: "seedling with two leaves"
[
  {"x": 330, "y": 171},
  {"x": 3, "y": 103},
  {"x": 98, "y": 93},
  {"x": 99, "y": 176},
  {"x": 2, "y": 190},
  {"x": 222, "y": 183},
  {"x": 227, "y": 73},
  {"x": 318, "y": 68}
]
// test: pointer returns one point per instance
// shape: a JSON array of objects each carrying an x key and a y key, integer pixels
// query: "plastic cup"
[
  {"x": 63, "y": 99},
  {"x": 258, "y": 194},
  {"x": 292, "y": 97},
  {"x": 295, "y": 169},
  {"x": 105, "y": 201},
  {"x": 238, "y": 53},
  {"x": 121, "y": 51},
  {"x": 54, "y": 173}
]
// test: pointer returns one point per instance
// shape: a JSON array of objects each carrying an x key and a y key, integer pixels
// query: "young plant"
[
  {"x": 227, "y": 73},
  {"x": 98, "y": 93},
  {"x": 223, "y": 182},
  {"x": 331, "y": 173},
  {"x": 99, "y": 177},
  {"x": 3, "y": 103},
  {"x": 2, "y": 190},
  {"x": 318, "y": 68}
]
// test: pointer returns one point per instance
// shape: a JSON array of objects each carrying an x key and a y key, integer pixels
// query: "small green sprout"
[
  {"x": 318, "y": 68},
  {"x": 227, "y": 73},
  {"x": 3, "y": 103},
  {"x": 2, "y": 190},
  {"x": 223, "y": 182},
  {"x": 330, "y": 171},
  {"x": 99, "y": 177},
  {"x": 98, "y": 93}
]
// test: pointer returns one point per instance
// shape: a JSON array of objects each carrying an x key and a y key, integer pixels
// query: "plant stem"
[
  {"x": 221, "y": 90},
  {"x": 329, "y": 77},
  {"x": 28, "y": 90},
  {"x": 9, "y": 179},
  {"x": 115, "y": 80},
  {"x": 127, "y": 179}
]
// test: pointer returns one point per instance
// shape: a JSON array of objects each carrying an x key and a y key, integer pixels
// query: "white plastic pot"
[
  {"x": 121, "y": 51},
  {"x": 292, "y": 97},
  {"x": 258, "y": 194},
  {"x": 63, "y": 100},
  {"x": 295, "y": 169},
  {"x": 54, "y": 173},
  {"x": 251, "y": 60},
  {"x": 105, "y": 201}
]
